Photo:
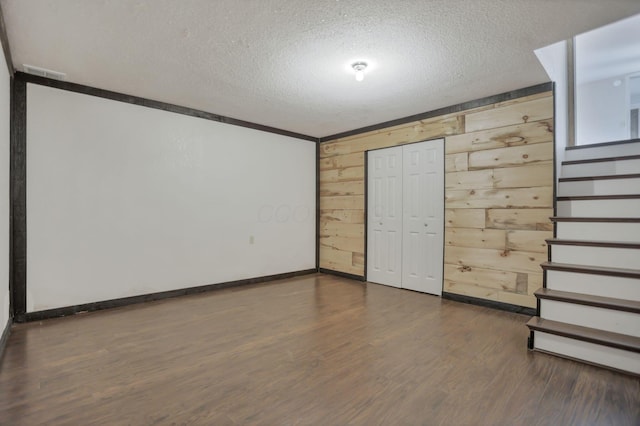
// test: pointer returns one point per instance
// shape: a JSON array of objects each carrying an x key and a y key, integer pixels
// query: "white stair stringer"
[{"x": 589, "y": 308}]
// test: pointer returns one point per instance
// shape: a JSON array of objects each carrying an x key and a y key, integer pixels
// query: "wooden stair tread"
[
  {"x": 603, "y": 177},
  {"x": 589, "y": 300},
  {"x": 594, "y": 270},
  {"x": 602, "y": 160},
  {"x": 591, "y": 243},
  {"x": 595, "y": 219},
  {"x": 586, "y": 334},
  {"x": 599, "y": 197}
]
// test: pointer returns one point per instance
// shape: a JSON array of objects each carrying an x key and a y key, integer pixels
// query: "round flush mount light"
[{"x": 359, "y": 68}]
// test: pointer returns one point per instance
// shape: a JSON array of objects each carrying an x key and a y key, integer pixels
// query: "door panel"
[
  {"x": 384, "y": 224},
  {"x": 423, "y": 221},
  {"x": 405, "y": 222}
]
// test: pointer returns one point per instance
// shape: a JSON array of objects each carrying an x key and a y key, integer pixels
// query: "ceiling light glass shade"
[{"x": 359, "y": 68}]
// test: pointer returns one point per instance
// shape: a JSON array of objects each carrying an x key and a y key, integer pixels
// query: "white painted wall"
[
  {"x": 554, "y": 60},
  {"x": 5, "y": 90},
  {"x": 124, "y": 200},
  {"x": 602, "y": 111}
]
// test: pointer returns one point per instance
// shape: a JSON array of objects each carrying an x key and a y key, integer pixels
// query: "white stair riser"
[
  {"x": 600, "y": 187},
  {"x": 596, "y": 256},
  {"x": 599, "y": 231},
  {"x": 599, "y": 208},
  {"x": 589, "y": 316},
  {"x": 597, "y": 285},
  {"x": 605, "y": 168},
  {"x": 589, "y": 352},
  {"x": 602, "y": 152}
]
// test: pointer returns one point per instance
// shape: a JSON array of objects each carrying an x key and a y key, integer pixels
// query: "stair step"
[
  {"x": 607, "y": 166},
  {"x": 598, "y": 206},
  {"x": 597, "y": 253},
  {"x": 601, "y": 150},
  {"x": 596, "y": 283},
  {"x": 595, "y": 219},
  {"x": 599, "y": 229},
  {"x": 590, "y": 243},
  {"x": 628, "y": 184},
  {"x": 602, "y": 160},
  {"x": 599, "y": 197},
  {"x": 611, "y": 350},
  {"x": 586, "y": 334},
  {"x": 603, "y": 177},
  {"x": 589, "y": 300},
  {"x": 589, "y": 269}
]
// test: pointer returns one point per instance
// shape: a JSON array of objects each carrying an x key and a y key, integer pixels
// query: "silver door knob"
[{"x": 426, "y": 224}]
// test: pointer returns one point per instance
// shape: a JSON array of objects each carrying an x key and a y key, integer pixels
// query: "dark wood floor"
[{"x": 311, "y": 350}]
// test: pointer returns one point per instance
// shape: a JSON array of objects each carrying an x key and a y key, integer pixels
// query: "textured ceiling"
[{"x": 284, "y": 63}]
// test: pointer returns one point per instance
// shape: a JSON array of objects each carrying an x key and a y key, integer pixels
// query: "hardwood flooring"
[{"x": 309, "y": 350}]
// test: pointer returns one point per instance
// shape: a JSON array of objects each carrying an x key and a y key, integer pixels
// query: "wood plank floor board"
[{"x": 317, "y": 349}]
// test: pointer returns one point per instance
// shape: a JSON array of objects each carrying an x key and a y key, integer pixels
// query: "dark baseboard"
[
  {"x": 342, "y": 274},
  {"x": 125, "y": 301},
  {"x": 4, "y": 338},
  {"x": 489, "y": 304}
]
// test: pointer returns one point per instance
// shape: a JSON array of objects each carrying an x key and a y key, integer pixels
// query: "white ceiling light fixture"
[{"x": 359, "y": 68}]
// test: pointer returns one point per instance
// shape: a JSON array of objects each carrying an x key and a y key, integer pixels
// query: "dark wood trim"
[
  {"x": 555, "y": 171},
  {"x": 588, "y": 243},
  {"x": 318, "y": 206},
  {"x": 605, "y": 177},
  {"x": 4, "y": 39},
  {"x": 592, "y": 270},
  {"x": 342, "y": 274},
  {"x": 366, "y": 213},
  {"x": 149, "y": 103},
  {"x": 18, "y": 199},
  {"x": 589, "y": 300},
  {"x": 502, "y": 97},
  {"x": 571, "y": 93},
  {"x": 489, "y": 303},
  {"x": 125, "y": 301},
  {"x": 596, "y": 219},
  {"x": 601, "y": 160},
  {"x": 600, "y": 197},
  {"x": 586, "y": 334},
  {"x": 596, "y": 145},
  {"x": 4, "y": 338},
  {"x": 531, "y": 340}
]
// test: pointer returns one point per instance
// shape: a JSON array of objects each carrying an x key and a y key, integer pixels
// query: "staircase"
[{"x": 589, "y": 307}]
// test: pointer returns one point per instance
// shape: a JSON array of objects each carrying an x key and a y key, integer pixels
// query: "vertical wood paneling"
[{"x": 499, "y": 196}]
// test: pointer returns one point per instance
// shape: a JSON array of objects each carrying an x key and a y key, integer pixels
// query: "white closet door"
[
  {"x": 423, "y": 216},
  {"x": 384, "y": 224}
]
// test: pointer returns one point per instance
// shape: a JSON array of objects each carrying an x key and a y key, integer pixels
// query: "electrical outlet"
[{"x": 251, "y": 239}]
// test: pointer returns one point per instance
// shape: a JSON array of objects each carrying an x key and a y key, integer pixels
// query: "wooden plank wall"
[{"x": 498, "y": 196}]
